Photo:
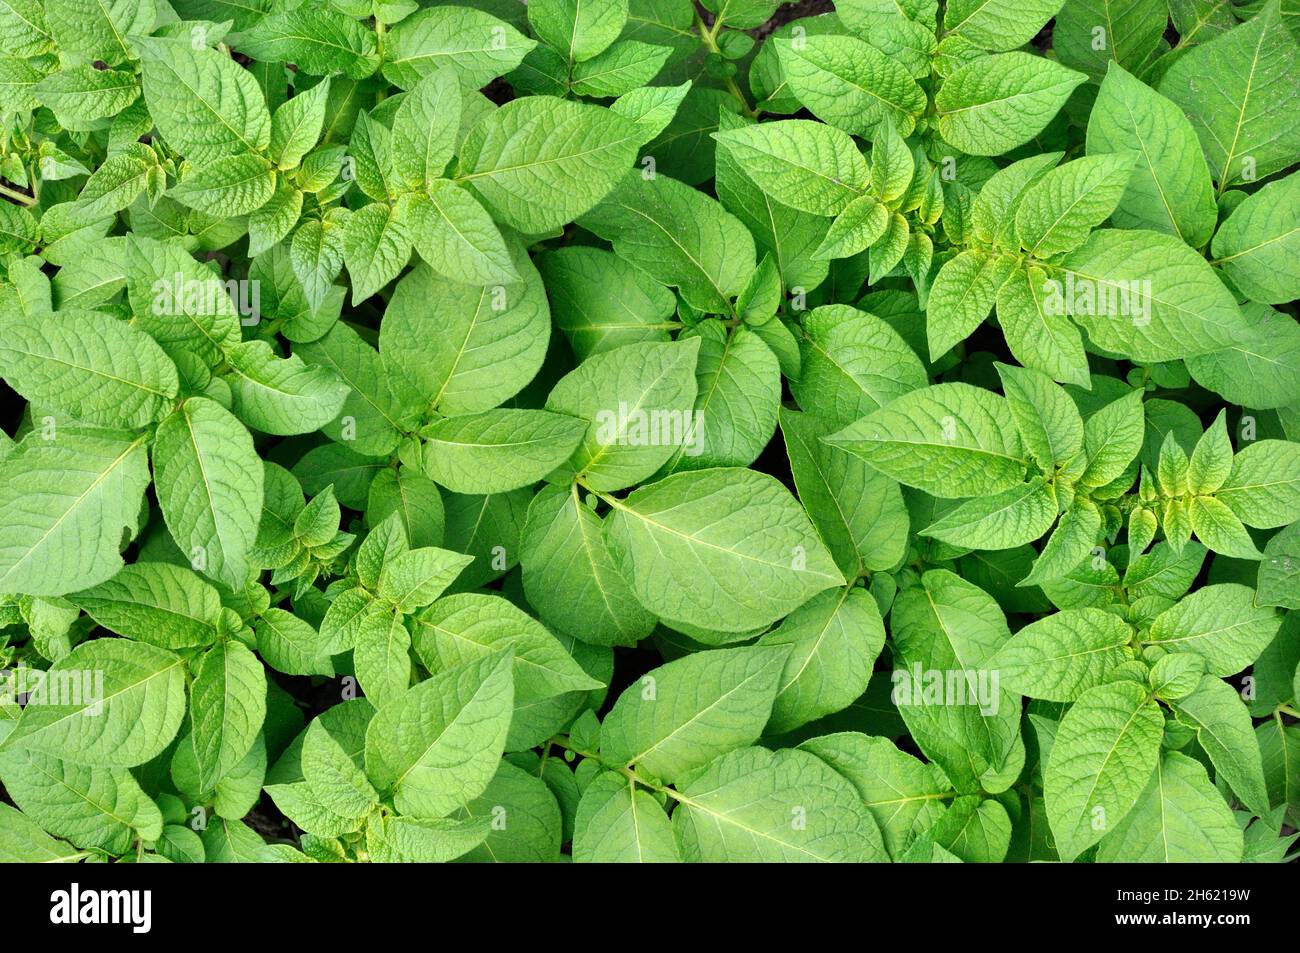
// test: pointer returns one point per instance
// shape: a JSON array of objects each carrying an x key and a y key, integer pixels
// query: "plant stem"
[
  {"x": 563, "y": 741},
  {"x": 20, "y": 197},
  {"x": 710, "y": 39}
]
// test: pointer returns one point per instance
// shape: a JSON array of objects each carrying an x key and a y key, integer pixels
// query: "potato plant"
[{"x": 648, "y": 431}]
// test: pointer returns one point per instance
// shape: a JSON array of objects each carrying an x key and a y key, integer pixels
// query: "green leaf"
[
  {"x": 1242, "y": 119},
  {"x": 997, "y": 24},
  {"x": 678, "y": 236},
  {"x": 971, "y": 730},
  {"x": 679, "y": 717},
  {"x": 1090, "y": 35},
  {"x": 1106, "y": 750},
  {"x": 478, "y": 46},
  {"x": 22, "y": 841},
  {"x": 65, "y": 506},
  {"x": 1145, "y": 295},
  {"x": 1180, "y": 818},
  {"x": 1003, "y": 521},
  {"x": 1224, "y": 730},
  {"x": 281, "y": 395},
  {"x": 686, "y": 563},
  {"x": 810, "y": 166},
  {"x": 569, "y": 574},
  {"x": 498, "y": 450},
  {"x": 834, "y": 640},
  {"x": 904, "y": 794},
  {"x": 439, "y": 744},
  {"x": 88, "y": 31},
  {"x": 93, "y": 807},
  {"x": 622, "y": 68},
  {"x": 1258, "y": 244},
  {"x": 425, "y": 128},
  {"x": 850, "y": 84},
  {"x": 290, "y": 645},
  {"x": 540, "y": 162},
  {"x": 1046, "y": 417},
  {"x": 1065, "y": 654},
  {"x": 318, "y": 40},
  {"x": 227, "y": 708},
  {"x": 455, "y": 235},
  {"x": 488, "y": 341},
  {"x": 638, "y": 403},
  {"x": 164, "y": 605},
  {"x": 377, "y": 244},
  {"x": 1112, "y": 438},
  {"x": 1058, "y": 210},
  {"x": 853, "y": 363},
  {"x": 601, "y": 301},
  {"x": 1263, "y": 488},
  {"x": 962, "y": 296},
  {"x": 617, "y": 823},
  {"x": 209, "y": 485},
  {"x": 92, "y": 366},
  {"x": 774, "y": 806},
  {"x": 578, "y": 30},
  {"x": 951, "y": 440},
  {"x": 204, "y": 103},
  {"x": 296, "y": 125},
  {"x": 860, "y": 225},
  {"x": 379, "y": 409},
  {"x": 231, "y": 185},
  {"x": 1038, "y": 334},
  {"x": 997, "y": 102},
  {"x": 1169, "y": 190},
  {"x": 109, "y": 703},
  {"x": 858, "y": 511},
  {"x": 1219, "y": 623}
]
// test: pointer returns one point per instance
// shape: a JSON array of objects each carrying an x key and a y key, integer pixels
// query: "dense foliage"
[{"x": 627, "y": 431}]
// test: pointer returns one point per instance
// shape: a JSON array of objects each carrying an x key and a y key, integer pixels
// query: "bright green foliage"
[{"x": 649, "y": 431}]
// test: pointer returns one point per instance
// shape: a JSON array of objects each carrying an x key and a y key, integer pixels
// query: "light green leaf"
[
  {"x": 439, "y": 744},
  {"x": 209, "y": 485},
  {"x": 65, "y": 507},
  {"x": 997, "y": 102},
  {"x": 1170, "y": 189},
  {"x": 1220, "y": 623},
  {"x": 951, "y": 440},
  {"x": 746, "y": 807},
  {"x": 617, "y": 823},
  {"x": 1105, "y": 753},
  {"x": 724, "y": 549},
  {"x": 540, "y": 162},
  {"x": 227, "y": 708},
  {"x": 94, "y": 367},
  {"x": 1061, "y": 656},
  {"x": 108, "y": 703},
  {"x": 498, "y": 450}
]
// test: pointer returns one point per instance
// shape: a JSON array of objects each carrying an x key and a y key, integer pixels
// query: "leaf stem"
[
  {"x": 710, "y": 39},
  {"x": 563, "y": 741},
  {"x": 20, "y": 197}
]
